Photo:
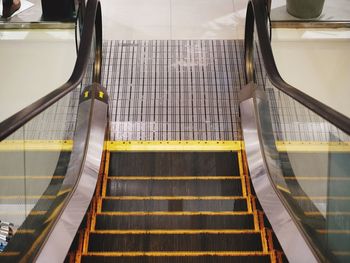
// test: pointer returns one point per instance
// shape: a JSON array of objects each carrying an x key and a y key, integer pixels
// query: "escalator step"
[
  {"x": 175, "y": 242},
  {"x": 238, "y": 204},
  {"x": 174, "y": 188},
  {"x": 177, "y": 259},
  {"x": 175, "y": 222},
  {"x": 173, "y": 164}
]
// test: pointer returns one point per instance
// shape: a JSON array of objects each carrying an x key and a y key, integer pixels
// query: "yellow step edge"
[
  {"x": 30, "y": 177},
  {"x": 169, "y": 178},
  {"x": 333, "y": 231},
  {"x": 177, "y": 253},
  {"x": 312, "y": 178},
  {"x": 312, "y": 147},
  {"x": 182, "y": 146},
  {"x": 175, "y": 213},
  {"x": 34, "y": 213},
  {"x": 36, "y": 145},
  {"x": 177, "y": 231},
  {"x": 314, "y": 213},
  {"x": 9, "y": 254},
  {"x": 174, "y": 198},
  {"x": 10, "y": 197},
  {"x": 25, "y": 231},
  {"x": 339, "y": 198}
]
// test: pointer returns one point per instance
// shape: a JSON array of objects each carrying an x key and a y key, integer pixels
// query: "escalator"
[
  {"x": 176, "y": 207},
  {"x": 276, "y": 191}
]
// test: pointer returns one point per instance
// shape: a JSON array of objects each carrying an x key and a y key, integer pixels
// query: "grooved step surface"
[
  {"x": 174, "y": 187},
  {"x": 173, "y": 164},
  {"x": 174, "y": 205},
  {"x": 175, "y": 222},
  {"x": 175, "y": 242},
  {"x": 162, "y": 259}
]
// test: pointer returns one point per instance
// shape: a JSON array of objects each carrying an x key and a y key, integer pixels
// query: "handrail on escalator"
[
  {"x": 257, "y": 14},
  {"x": 92, "y": 24}
]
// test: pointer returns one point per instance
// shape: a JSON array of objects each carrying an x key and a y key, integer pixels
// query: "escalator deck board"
[{"x": 175, "y": 242}]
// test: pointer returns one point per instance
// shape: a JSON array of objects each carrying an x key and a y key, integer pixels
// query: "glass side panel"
[
  {"x": 33, "y": 63},
  {"x": 34, "y": 186},
  {"x": 309, "y": 162}
]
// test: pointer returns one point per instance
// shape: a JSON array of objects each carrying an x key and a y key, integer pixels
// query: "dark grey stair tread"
[
  {"x": 173, "y": 164},
  {"x": 175, "y": 242},
  {"x": 175, "y": 222},
  {"x": 174, "y": 188},
  {"x": 174, "y": 205},
  {"x": 162, "y": 259}
]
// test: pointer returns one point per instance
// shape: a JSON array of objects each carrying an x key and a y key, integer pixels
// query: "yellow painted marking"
[
  {"x": 9, "y": 254},
  {"x": 344, "y": 198},
  {"x": 177, "y": 253},
  {"x": 265, "y": 247},
  {"x": 35, "y": 213},
  {"x": 175, "y": 231},
  {"x": 175, "y": 213},
  {"x": 11, "y": 197},
  {"x": 279, "y": 187},
  {"x": 173, "y": 197},
  {"x": 105, "y": 175},
  {"x": 86, "y": 94},
  {"x": 315, "y": 213},
  {"x": 333, "y": 231},
  {"x": 169, "y": 178},
  {"x": 101, "y": 94},
  {"x": 240, "y": 166},
  {"x": 30, "y": 177},
  {"x": 304, "y": 146},
  {"x": 226, "y": 146},
  {"x": 25, "y": 231},
  {"x": 36, "y": 145},
  {"x": 317, "y": 178}
]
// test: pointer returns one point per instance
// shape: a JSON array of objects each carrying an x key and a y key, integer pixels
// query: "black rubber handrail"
[
  {"x": 257, "y": 16},
  {"x": 92, "y": 25}
]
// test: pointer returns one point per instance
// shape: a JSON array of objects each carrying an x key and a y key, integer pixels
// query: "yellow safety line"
[
  {"x": 317, "y": 178},
  {"x": 34, "y": 213},
  {"x": 174, "y": 146},
  {"x": 9, "y": 197},
  {"x": 314, "y": 213},
  {"x": 339, "y": 198},
  {"x": 30, "y": 177},
  {"x": 25, "y": 231},
  {"x": 255, "y": 214},
  {"x": 264, "y": 244},
  {"x": 9, "y": 254},
  {"x": 173, "y": 197},
  {"x": 175, "y": 213},
  {"x": 169, "y": 178},
  {"x": 175, "y": 231},
  {"x": 240, "y": 166},
  {"x": 105, "y": 175},
  {"x": 333, "y": 231},
  {"x": 177, "y": 253},
  {"x": 36, "y": 145},
  {"x": 304, "y": 146}
]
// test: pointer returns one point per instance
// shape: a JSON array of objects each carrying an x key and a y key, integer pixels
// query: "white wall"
[{"x": 33, "y": 63}]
